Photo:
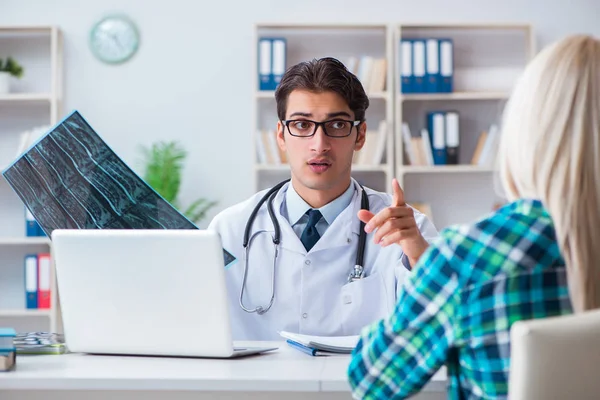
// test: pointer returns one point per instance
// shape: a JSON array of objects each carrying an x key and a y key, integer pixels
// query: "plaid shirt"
[{"x": 458, "y": 305}]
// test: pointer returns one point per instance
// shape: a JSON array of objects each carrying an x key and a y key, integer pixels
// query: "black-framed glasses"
[{"x": 333, "y": 128}]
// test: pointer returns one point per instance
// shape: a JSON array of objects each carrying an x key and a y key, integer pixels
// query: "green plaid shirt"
[{"x": 458, "y": 305}]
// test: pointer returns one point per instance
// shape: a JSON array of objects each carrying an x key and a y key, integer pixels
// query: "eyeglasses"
[{"x": 333, "y": 128}]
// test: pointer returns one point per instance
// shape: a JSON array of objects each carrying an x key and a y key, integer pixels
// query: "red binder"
[{"x": 44, "y": 278}]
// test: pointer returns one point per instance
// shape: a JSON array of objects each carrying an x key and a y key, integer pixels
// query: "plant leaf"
[
  {"x": 163, "y": 167},
  {"x": 198, "y": 209},
  {"x": 164, "y": 163}
]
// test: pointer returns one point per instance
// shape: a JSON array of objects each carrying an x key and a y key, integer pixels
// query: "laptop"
[{"x": 151, "y": 292}]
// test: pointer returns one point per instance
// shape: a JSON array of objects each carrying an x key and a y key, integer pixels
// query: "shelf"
[
  {"x": 265, "y": 94},
  {"x": 26, "y": 29},
  {"x": 317, "y": 25},
  {"x": 445, "y": 169},
  {"x": 270, "y": 94},
  {"x": 25, "y": 313},
  {"x": 263, "y": 167},
  {"x": 355, "y": 168},
  {"x": 467, "y": 25},
  {"x": 25, "y": 97},
  {"x": 455, "y": 96},
  {"x": 378, "y": 95},
  {"x": 24, "y": 241},
  {"x": 369, "y": 168}
]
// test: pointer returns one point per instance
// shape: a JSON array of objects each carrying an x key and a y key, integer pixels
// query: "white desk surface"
[{"x": 283, "y": 370}]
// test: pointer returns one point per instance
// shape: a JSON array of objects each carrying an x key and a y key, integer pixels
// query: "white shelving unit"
[
  {"x": 488, "y": 58},
  {"x": 305, "y": 42},
  {"x": 35, "y": 100}
]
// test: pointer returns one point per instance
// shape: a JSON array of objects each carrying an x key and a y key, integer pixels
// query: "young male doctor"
[{"x": 301, "y": 284}]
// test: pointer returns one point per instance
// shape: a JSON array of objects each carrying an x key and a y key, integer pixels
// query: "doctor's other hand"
[{"x": 396, "y": 224}]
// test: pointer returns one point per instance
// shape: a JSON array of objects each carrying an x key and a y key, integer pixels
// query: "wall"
[{"x": 192, "y": 79}]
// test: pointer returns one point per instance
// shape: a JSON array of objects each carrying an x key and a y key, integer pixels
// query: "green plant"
[
  {"x": 12, "y": 67},
  {"x": 163, "y": 167}
]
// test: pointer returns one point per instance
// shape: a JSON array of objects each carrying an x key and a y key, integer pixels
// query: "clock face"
[{"x": 114, "y": 39}]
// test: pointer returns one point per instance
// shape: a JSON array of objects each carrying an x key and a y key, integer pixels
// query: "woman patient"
[{"x": 467, "y": 290}]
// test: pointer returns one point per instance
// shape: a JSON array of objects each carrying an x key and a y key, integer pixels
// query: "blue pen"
[{"x": 298, "y": 346}]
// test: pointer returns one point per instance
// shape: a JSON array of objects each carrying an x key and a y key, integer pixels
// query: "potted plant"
[
  {"x": 163, "y": 166},
  {"x": 8, "y": 67}
]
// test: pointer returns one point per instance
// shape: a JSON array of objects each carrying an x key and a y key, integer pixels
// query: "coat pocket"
[{"x": 362, "y": 303}]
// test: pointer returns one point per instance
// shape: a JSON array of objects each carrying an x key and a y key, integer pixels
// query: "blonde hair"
[{"x": 550, "y": 150}]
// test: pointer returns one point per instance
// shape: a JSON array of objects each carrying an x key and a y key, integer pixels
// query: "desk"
[{"x": 284, "y": 373}]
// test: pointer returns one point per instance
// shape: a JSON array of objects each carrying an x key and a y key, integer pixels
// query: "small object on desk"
[
  {"x": 40, "y": 343},
  {"x": 329, "y": 344},
  {"x": 8, "y": 359},
  {"x": 60, "y": 348},
  {"x": 7, "y": 336},
  {"x": 308, "y": 350}
]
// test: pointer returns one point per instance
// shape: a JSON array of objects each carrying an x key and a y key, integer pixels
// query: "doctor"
[{"x": 301, "y": 284}]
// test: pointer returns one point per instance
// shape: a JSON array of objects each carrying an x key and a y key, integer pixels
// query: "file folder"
[
  {"x": 418, "y": 66},
  {"x": 264, "y": 64},
  {"x": 278, "y": 61},
  {"x": 406, "y": 66},
  {"x": 44, "y": 276},
  {"x": 436, "y": 124},
  {"x": 452, "y": 138},
  {"x": 432, "y": 72},
  {"x": 446, "y": 66},
  {"x": 31, "y": 281},
  {"x": 32, "y": 228}
]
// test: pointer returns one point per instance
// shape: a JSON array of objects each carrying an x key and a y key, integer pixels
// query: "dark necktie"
[{"x": 310, "y": 236}]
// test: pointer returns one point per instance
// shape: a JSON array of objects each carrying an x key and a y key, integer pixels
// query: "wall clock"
[{"x": 114, "y": 39}]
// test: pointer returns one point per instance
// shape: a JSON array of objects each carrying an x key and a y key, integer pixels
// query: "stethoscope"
[{"x": 356, "y": 273}]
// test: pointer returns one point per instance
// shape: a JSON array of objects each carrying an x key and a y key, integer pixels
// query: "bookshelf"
[
  {"x": 487, "y": 60},
  {"x": 33, "y": 101},
  {"x": 344, "y": 42}
]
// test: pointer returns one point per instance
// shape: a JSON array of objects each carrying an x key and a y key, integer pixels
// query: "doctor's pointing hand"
[{"x": 396, "y": 224}]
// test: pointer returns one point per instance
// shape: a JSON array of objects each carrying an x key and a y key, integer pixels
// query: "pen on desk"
[{"x": 308, "y": 350}]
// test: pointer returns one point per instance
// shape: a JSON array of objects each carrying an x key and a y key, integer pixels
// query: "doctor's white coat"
[{"x": 312, "y": 293}]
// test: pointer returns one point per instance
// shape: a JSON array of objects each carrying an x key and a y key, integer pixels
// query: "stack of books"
[
  {"x": 40, "y": 343},
  {"x": 8, "y": 357}
]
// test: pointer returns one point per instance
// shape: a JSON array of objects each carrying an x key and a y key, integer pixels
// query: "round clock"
[{"x": 114, "y": 39}]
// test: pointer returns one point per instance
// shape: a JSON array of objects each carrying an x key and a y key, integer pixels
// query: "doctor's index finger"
[{"x": 398, "y": 199}]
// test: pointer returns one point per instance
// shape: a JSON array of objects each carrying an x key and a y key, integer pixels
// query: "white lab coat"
[{"x": 312, "y": 295}]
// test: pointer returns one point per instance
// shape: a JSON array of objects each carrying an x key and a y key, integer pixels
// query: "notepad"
[{"x": 332, "y": 344}]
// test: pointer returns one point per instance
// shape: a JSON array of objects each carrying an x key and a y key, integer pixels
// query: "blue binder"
[
  {"x": 419, "y": 65},
  {"x": 31, "y": 281},
  {"x": 406, "y": 66},
  {"x": 278, "y": 60},
  {"x": 265, "y": 64},
  {"x": 432, "y": 69},
  {"x": 446, "y": 66},
  {"x": 436, "y": 125},
  {"x": 32, "y": 228}
]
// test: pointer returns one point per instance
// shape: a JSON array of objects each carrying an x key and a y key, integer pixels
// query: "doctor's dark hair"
[{"x": 322, "y": 75}]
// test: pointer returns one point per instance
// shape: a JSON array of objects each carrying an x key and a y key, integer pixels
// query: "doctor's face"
[{"x": 319, "y": 162}]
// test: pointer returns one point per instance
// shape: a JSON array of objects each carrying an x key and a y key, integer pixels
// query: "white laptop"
[{"x": 144, "y": 292}]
